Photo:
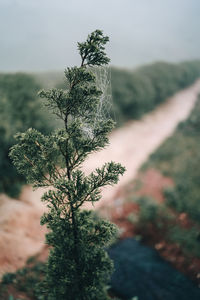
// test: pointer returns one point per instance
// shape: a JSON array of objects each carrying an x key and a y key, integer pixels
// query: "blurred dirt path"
[
  {"x": 20, "y": 232},
  {"x": 132, "y": 144}
]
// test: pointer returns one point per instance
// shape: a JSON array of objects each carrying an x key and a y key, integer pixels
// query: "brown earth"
[
  {"x": 22, "y": 236},
  {"x": 153, "y": 183}
]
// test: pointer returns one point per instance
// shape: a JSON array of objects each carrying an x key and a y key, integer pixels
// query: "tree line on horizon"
[{"x": 134, "y": 93}]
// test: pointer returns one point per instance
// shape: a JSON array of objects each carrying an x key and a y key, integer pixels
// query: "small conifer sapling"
[{"x": 78, "y": 266}]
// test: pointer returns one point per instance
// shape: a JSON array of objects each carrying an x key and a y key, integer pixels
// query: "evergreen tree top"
[
  {"x": 78, "y": 266},
  {"x": 92, "y": 51},
  {"x": 38, "y": 156}
]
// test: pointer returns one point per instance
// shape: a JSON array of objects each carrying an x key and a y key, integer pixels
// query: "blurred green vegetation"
[
  {"x": 166, "y": 225},
  {"x": 19, "y": 109},
  {"x": 137, "y": 92},
  {"x": 179, "y": 158}
]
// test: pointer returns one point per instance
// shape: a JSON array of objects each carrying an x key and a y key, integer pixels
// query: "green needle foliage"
[{"x": 78, "y": 267}]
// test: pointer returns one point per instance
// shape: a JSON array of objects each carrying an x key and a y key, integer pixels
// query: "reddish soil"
[
  {"x": 21, "y": 235},
  {"x": 153, "y": 183}
]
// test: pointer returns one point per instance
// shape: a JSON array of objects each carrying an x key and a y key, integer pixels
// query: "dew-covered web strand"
[{"x": 105, "y": 106}]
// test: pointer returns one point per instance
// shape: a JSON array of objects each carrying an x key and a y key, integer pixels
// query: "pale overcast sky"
[{"x": 42, "y": 34}]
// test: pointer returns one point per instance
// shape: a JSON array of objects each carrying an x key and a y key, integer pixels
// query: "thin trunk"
[{"x": 74, "y": 224}]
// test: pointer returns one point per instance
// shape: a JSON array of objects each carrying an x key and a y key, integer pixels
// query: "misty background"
[{"x": 38, "y": 35}]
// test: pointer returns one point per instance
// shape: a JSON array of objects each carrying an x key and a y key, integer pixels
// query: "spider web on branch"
[
  {"x": 105, "y": 106},
  {"x": 103, "y": 82}
]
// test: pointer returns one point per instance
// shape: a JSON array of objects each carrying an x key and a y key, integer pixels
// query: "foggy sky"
[{"x": 42, "y": 34}]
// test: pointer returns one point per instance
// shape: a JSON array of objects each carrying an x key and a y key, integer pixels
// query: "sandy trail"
[{"x": 20, "y": 232}]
